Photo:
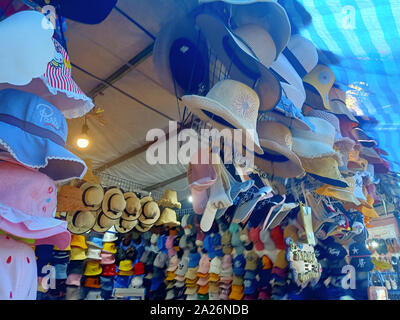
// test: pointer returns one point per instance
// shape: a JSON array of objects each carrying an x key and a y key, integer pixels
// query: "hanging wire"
[{"x": 135, "y": 22}]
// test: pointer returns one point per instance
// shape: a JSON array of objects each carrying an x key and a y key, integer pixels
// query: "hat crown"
[
  {"x": 49, "y": 122},
  {"x": 324, "y": 132},
  {"x": 276, "y": 132},
  {"x": 337, "y": 94},
  {"x": 37, "y": 193},
  {"x": 151, "y": 210},
  {"x": 117, "y": 202},
  {"x": 132, "y": 205},
  {"x": 93, "y": 194},
  {"x": 84, "y": 219},
  {"x": 240, "y": 98},
  {"x": 304, "y": 50}
]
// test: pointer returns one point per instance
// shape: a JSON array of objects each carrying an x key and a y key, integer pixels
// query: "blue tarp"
[{"x": 365, "y": 37}]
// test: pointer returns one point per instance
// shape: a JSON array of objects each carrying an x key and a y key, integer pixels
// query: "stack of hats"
[
  {"x": 171, "y": 274},
  {"x": 60, "y": 263},
  {"x": 76, "y": 267},
  {"x": 157, "y": 288},
  {"x": 168, "y": 202},
  {"x": 226, "y": 277},
  {"x": 108, "y": 263},
  {"x": 191, "y": 275},
  {"x": 250, "y": 282},
  {"x": 93, "y": 269},
  {"x": 214, "y": 277},
  {"x": 264, "y": 276},
  {"x": 239, "y": 263},
  {"x": 44, "y": 258},
  {"x": 150, "y": 214},
  {"x": 203, "y": 277}
]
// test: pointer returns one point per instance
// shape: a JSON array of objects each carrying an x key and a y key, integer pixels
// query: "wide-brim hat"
[
  {"x": 320, "y": 80},
  {"x": 143, "y": 228},
  {"x": 355, "y": 162},
  {"x": 325, "y": 170},
  {"x": 181, "y": 58},
  {"x": 370, "y": 155},
  {"x": 92, "y": 195},
  {"x": 80, "y": 222},
  {"x": 150, "y": 211},
  {"x": 113, "y": 203},
  {"x": 168, "y": 218},
  {"x": 315, "y": 144},
  {"x": 337, "y": 100},
  {"x": 124, "y": 226},
  {"x": 47, "y": 152},
  {"x": 169, "y": 200},
  {"x": 229, "y": 104},
  {"x": 133, "y": 207},
  {"x": 278, "y": 158},
  {"x": 362, "y": 138},
  {"x": 343, "y": 194},
  {"x": 58, "y": 87},
  {"x": 103, "y": 222},
  {"x": 248, "y": 51}
]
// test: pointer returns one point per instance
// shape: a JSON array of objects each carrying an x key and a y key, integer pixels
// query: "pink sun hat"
[
  {"x": 58, "y": 87},
  {"x": 28, "y": 201},
  {"x": 201, "y": 176}
]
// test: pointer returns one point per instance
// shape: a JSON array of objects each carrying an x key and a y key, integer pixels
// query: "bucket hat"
[
  {"x": 78, "y": 241},
  {"x": 150, "y": 211},
  {"x": 74, "y": 279},
  {"x": 93, "y": 253},
  {"x": 320, "y": 80},
  {"x": 92, "y": 195},
  {"x": 337, "y": 101},
  {"x": 125, "y": 268},
  {"x": 278, "y": 158},
  {"x": 109, "y": 270},
  {"x": 29, "y": 213},
  {"x": 110, "y": 247},
  {"x": 110, "y": 235},
  {"x": 133, "y": 207},
  {"x": 57, "y": 86},
  {"x": 92, "y": 268},
  {"x": 77, "y": 253},
  {"x": 168, "y": 218},
  {"x": 181, "y": 57},
  {"x": 92, "y": 282},
  {"x": 95, "y": 241},
  {"x": 229, "y": 104},
  {"x": 80, "y": 222},
  {"x": 47, "y": 153},
  {"x": 107, "y": 258},
  {"x": 113, "y": 203},
  {"x": 169, "y": 200}
]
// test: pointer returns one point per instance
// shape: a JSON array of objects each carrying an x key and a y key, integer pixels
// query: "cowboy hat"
[
  {"x": 342, "y": 194},
  {"x": 80, "y": 222},
  {"x": 168, "y": 218},
  {"x": 150, "y": 211},
  {"x": 337, "y": 101},
  {"x": 133, "y": 207},
  {"x": 317, "y": 144},
  {"x": 180, "y": 56},
  {"x": 362, "y": 138},
  {"x": 92, "y": 195},
  {"x": 248, "y": 51},
  {"x": 113, "y": 203},
  {"x": 320, "y": 81},
  {"x": 124, "y": 226},
  {"x": 229, "y": 104},
  {"x": 103, "y": 222},
  {"x": 325, "y": 170},
  {"x": 278, "y": 158},
  {"x": 169, "y": 200}
]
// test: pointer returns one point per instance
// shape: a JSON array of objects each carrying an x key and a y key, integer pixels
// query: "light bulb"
[
  {"x": 82, "y": 141},
  {"x": 190, "y": 199}
]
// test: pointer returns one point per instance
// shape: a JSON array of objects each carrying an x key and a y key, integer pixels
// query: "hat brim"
[
  {"x": 338, "y": 194},
  {"x": 339, "y": 108},
  {"x": 141, "y": 228},
  {"x": 120, "y": 229},
  {"x": 78, "y": 230},
  {"x": 87, "y": 185},
  {"x": 97, "y": 226},
  {"x": 311, "y": 149},
  {"x": 104, "y": 205}
]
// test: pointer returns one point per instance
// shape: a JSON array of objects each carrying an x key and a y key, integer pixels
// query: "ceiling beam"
[{"x": 166, "y": 182}]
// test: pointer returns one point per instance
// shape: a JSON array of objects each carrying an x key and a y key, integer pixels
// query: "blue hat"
[
  {"x": 161, "y": 244},
  {"x": 335, "y": 251},
  {"x": 44, "y": 254},
  {"x": 360, "y": 257},
  {"x": 250, "y": 286},
  {"x": 194, "y": 259},
  {"x": 122, "y": 281},
  {"x": 217, "y": 246},
  {"x": 265, "y": 277},
  {"x": 61, "y": 270},
  {"x": 107, "y": 283},
  {"x": 250, "y": 275},
  {"x": 95, "y": 241},
  {"x": 238, "y": 265},
  {"x": 34, "y": 132},
  {"x": 155, "y": 283}
]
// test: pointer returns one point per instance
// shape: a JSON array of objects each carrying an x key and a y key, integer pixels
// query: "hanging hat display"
[
  {"x": 80, "y": 222},
  {"x": 150, "y": 211},
  {"x": 229, "y": 104},
  {"x": 92, "y": 195},
  {"x": 57, "y": 87},
  {"x": 69, "y": 199},
  {"x": 342, "y": 194},
  {"x": 103, "y": 222},
  {"x": 133, "y": 207},
  {"x": 37, "y": 123},
  {"x": 168, "y": 218},
  {"x": 124, "y": 226},
  {"x": 30, "y": 212},
  {"x": 169, "y": 200},
  {"x": 278, "y": 158},
  {"x": 113, "y": 203},
  {"x": 337, "y": 101}
]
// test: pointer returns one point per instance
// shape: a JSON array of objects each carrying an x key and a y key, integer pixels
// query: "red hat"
[
  {"x": 138, "y": 268},
  {"x": 277, "y": 236},
  {"x": 109, "y": 270}
]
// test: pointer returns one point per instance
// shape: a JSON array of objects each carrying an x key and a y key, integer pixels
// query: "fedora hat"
[
  {"x": 133, "y": 207},
  {"x": 308, "y": 144},
  {"x": 325, "y": 170},
  {"x": 248, "y": 51},
  {"x": 124, "y": 226},
  {"x": 362, "y": 138},
  {"x": 92, "y": 195},
  {"x": 337, "y": 101},
  {"x": 80, "y": 222},
  {"x": 150, "y": 211},
  {"x": 103, "y": 222},
  {"x": 278, "y": 158},
  {"x": 169, "y": 200},
  {"x": 342, "y": 194},
  {"x": 319, "y": 81},
  {"x": 113, "y": 203},
  {"x": 229, "y": 104},
  {"x": 168, "y": 218},
  {"x": 69, "y": 199},
  {"x": 181, "y": 58}
]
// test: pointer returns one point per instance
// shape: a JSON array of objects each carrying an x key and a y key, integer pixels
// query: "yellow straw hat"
[
  {"x": 133, "y": 206},
  {"x": 92, "y": 195},
  {"x": 169, "y": 200},
  {"x": 150, "y": 211},
  {"x": 343, "y": 194},
  {"x": 124, "y": 226},
  {"x": 113, "y": 203},
  {"x": 80, "y": 222},
  {"x": 325, "y": 170},
  {"x": 168, "y": 218}
]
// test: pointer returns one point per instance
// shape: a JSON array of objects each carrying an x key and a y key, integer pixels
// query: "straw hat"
[
  {"x": 370, "y": 155},
  {"x": 69, "y": 199},
  {"x": 143, "y": 228},
  {"x": 366, "y": 210},
  {"x": 124, "y": 226},
  {"x": 92, "y": 195},
  {"x": 113, "y": 203},
  {"x": 355, "y": 162},
  {"x": 89, "y": 176},
  {"x": 278, "y": 158},
  {"x": 168, "y": 218},
  {"x": 337, "y": 101},
  {"x": 315, "y": 144},
  {"x": 150, "y": 211},
  {"x": 320, "y": 80},
  {"x": 169, "y": 200},
  {"x": 343, "y": 194},
  {"x": 363, "y": 138},
  {"x": 103, "y": 222},
  {"x": 133, "y": 207},
  {"x": 80, "y": 222},
  {"x": 229, "y": 104}
]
